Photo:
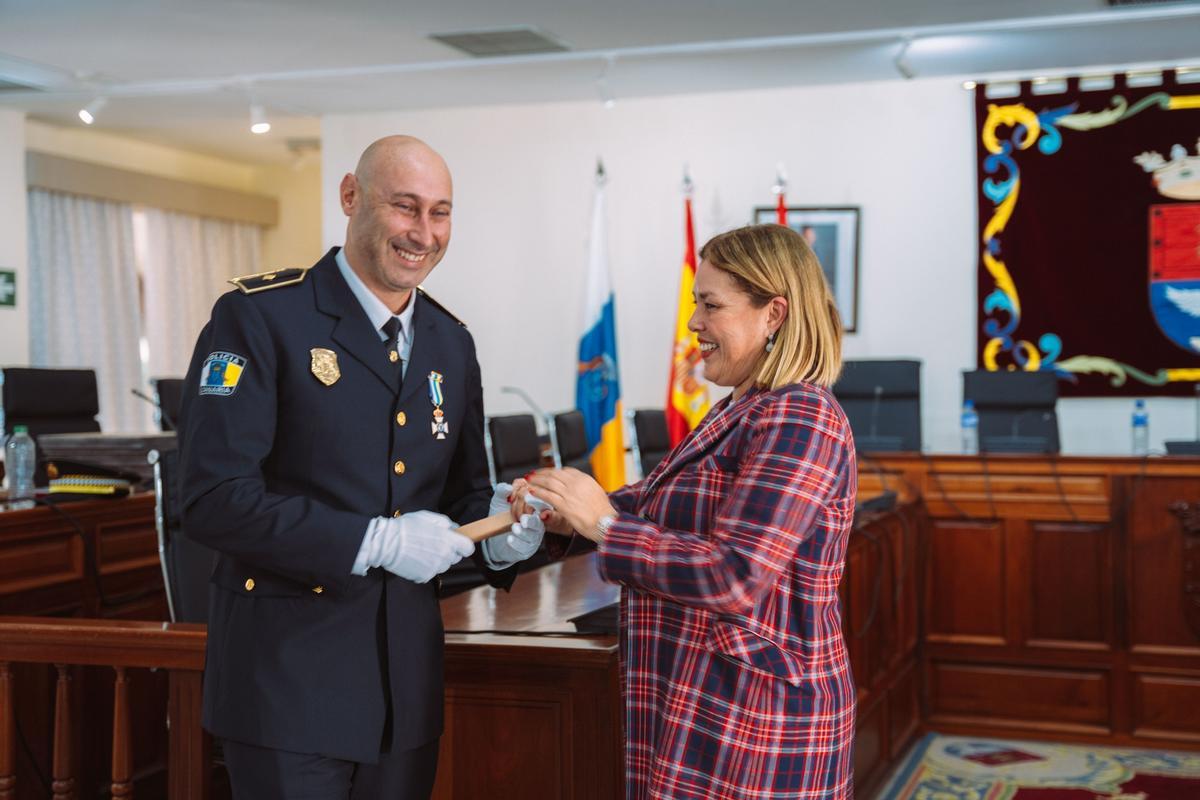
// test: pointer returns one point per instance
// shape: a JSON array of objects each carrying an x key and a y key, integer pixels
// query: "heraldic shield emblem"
[
  {"x": 1175, "y": 272},
  {"x": 325, "y": 366}
]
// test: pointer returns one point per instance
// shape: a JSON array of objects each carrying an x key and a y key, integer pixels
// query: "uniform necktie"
[{"x": 391, "y": 329}]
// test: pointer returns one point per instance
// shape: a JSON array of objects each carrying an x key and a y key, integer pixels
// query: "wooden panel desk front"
[
  {"x": 1062, "y": 595},
  {"x": 539, "y": 714},
  {"x": 91, "y": 559}
]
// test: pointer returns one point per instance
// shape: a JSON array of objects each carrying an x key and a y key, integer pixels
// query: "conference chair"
[
  {"x": 1016, "y": 410},
  {"x": 186, "y": 564},
  {"x": 568, "y": 437},
  {"x": 168, "y": 401},
  {"x": 651, "y": 442},
  {"x": 49, "y": 400},
  {"x": 515, "y": 449},
  {"x": 882, "y": 401}
]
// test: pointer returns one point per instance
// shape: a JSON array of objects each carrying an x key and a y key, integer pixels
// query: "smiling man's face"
[{"x": 398, "y": 202}]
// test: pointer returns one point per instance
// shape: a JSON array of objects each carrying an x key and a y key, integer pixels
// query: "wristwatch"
[{"x": 604, "y": 524}]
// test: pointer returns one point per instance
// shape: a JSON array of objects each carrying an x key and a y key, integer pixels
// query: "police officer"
[{"x": 331, "y": 437}]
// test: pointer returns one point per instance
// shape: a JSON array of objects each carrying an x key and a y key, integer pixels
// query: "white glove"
[
  {"x": 416, "y": 546},
  {"x": 526, "y": 537}
]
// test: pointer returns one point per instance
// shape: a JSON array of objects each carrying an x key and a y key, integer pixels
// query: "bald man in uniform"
[{"x": 331, "y": 439}]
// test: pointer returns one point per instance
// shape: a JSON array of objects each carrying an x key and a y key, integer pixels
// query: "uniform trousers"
[{"x": 260, "y": 773}]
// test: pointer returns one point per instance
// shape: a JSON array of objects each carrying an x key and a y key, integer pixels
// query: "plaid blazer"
[{"x": 733, "y": 664}]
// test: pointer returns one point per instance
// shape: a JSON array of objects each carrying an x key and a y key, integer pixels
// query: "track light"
[
  {"x": 88, "y": 113},
  {"x": 603, "y": 88},
  {"x": 903, "y": 66},
  {"x": 258, "y": 120}
]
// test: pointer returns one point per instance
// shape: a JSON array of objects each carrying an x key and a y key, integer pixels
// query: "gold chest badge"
[{"x": 324, "y": 365}]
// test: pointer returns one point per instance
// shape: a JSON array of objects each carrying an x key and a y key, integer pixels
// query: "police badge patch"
[{"x": 221, "y": 373}]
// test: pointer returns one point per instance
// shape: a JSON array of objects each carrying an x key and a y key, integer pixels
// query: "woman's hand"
[
  {"x": 552, "y": 520},
  {"x": 576, "y": 497}
]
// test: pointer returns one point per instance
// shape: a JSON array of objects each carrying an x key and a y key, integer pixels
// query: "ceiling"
[{"x": 183, "y": 72}]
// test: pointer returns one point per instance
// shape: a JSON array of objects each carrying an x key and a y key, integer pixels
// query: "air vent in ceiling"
[
  {"x": 500, "y": 42},
  {"x": 1124, "y": 3}
]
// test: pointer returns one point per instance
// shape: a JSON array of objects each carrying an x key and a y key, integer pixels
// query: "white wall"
[
  {"x": 903, "y": 151},
  {"x": 14, "y": 322}
]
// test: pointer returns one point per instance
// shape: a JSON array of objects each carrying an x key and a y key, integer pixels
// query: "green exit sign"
[{"x": 8, "y": 287}]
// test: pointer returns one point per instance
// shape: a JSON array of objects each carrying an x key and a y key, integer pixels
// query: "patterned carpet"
[{"x": 968, "y": 768}]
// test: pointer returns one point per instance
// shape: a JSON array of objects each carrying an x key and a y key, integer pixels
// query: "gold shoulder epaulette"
[
  {"x": 436, "y": 304},
  {"x": 249, "y": 284}
]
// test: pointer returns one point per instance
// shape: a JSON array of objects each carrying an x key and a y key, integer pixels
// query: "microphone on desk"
[
  {"x": 162, "y": 411},
  {"x": 875, "y": 411},
  {"x": 1017, "y": 443},
  {"x": 546, "y": 418}
]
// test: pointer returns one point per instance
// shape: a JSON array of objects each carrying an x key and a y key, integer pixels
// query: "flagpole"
[{"x": 780, "y": 190}]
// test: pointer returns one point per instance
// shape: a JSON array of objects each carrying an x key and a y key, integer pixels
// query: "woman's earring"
[{"x": 770, "y": 342}]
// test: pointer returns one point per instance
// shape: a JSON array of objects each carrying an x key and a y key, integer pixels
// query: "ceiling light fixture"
[
  {"x": 258, "y": 120},
  {"x": 88, "y": 113},
  {"x": 969, "y": 85},
  {"x": 602, "y": 84},
  {"x": 903, "y": 66}
]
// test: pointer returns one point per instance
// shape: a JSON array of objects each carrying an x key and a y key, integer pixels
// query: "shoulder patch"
[
  {"x": 249, "y": 284},
  {"x": 439, "y": 306},
  {"x": 221, "y": 372}
]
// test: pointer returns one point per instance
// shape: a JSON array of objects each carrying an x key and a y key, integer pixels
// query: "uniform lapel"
[
  {"x": 425, "y": 353},
  {"x": 352, "y": 330}
]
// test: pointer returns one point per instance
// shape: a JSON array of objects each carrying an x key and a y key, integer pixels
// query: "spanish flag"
[
  {"x": 598, "y": 385},
  {"x": 687, "y": 394}
]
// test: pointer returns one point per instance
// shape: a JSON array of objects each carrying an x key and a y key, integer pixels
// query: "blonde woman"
[{"x": 734, "y": 670}]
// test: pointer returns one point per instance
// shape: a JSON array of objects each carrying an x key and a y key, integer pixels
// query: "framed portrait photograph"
[{"x": 832, "y": 233}]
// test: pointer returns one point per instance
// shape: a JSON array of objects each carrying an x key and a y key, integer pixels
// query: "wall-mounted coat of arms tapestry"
[{"x": 1089, "y": 222}]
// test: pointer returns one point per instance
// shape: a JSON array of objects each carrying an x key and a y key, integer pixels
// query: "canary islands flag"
[{"x": 598, "y": 386}]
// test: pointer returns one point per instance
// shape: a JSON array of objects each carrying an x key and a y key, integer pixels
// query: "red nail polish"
[
  {"x": 509, "y": 499},
  {"x": 545, "y": 515}
]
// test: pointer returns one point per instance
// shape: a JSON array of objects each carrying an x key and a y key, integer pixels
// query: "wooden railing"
[{"x": 122, "y": 645}]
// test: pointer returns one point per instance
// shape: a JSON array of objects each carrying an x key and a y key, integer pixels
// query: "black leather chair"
[
  {"x": 1016, "y": 410},
  {"x": 514, "y": 445},
  {"x": 882, "y": 401},
  {"x": 568, "y": 436},
  {"x": 49, "y": 400},
  {"x": 168, "y": 398},
  {"x": 186, "y": 564},
  {"x": 651, "y": 442}
]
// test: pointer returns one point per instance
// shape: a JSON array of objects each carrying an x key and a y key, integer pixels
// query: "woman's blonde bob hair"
[{"x": 769, "y": 261}]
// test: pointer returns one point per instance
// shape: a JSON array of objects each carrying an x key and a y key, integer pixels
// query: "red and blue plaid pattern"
[{"x": 734, "y": 669}]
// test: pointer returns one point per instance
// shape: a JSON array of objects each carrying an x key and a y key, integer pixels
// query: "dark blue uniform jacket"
[{"x": 281, "y": 475}]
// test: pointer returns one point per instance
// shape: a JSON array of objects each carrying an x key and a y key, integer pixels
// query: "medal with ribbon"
[{"x": 439, "y": 426}]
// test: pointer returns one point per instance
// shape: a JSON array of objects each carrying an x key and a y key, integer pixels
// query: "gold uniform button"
[
  {"x": 318, "y": 589},
  {"x": 249, "y": 584},
  {"x": 393, "y": 356},
  {"x": 397, "y": 513},
  {"x": 401, "y": 419},
  {"x": 398, "y": 467}
]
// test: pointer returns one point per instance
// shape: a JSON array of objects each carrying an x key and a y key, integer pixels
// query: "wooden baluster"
[
  {"x": 8, "y": 735},
  {"x": 190, "y": 751},
  {"x": 62, "y": 783},
  {"x": 122, "y": 756}
]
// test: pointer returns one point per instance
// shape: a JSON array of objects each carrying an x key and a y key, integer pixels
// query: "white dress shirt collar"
[{"x": 376, "y": 311}]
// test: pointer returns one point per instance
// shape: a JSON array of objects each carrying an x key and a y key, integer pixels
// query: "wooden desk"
[
  {"x": 1060, "y": 595},
  {"x": 539, "y": 715},
  {"x": 90, "y": 559},
  {"x": 531, "y": 715}
]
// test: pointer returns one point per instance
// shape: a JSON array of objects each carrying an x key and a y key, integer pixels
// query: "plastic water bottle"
[
  {"x": 20, "y": 457},
  {"x": 970, "y": 429},
  {"x": 1141, "y": 429}
]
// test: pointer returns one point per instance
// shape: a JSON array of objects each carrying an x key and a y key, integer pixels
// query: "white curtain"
[
  {"x": 186, "y": 263},
  {"x": 83, "y": 305}
]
